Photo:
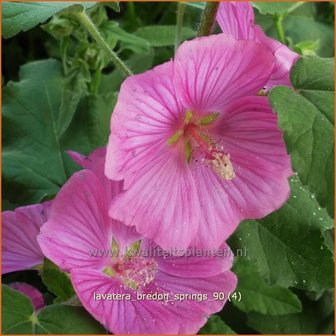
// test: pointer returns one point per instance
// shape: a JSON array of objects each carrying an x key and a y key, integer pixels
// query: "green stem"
[
  {"x": 179, "y": 23},
  {"x": 279, "y": 27},
  {"x": 208, "y": 18},
  {"x": 91, "y": 28}
]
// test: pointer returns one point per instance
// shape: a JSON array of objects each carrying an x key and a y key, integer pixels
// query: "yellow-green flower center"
[{"x": 194, "y": 134}]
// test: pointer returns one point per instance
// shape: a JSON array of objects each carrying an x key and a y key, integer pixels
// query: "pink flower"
[
  {"x": 109, "y": 284},
  {"x": 237, "y": 19},
  {"x": 33, "y": 294},
  {"x": 197, "y": 149},
  {"x": 20, "y": 250}
]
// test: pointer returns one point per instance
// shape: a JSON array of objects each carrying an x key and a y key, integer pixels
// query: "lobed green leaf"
[
  {"x": 258, "y": 296},
  {"x": 35, "y": 163},
  {"x": 163, "y": 36},
  {"x": 57, "y": 282},
  {"x": 19, "y": 317},
  {"x": 276, "y": 7},
  {"x": 216, "y": 326},
  {"x": 22, "y": 16},
  {"x": 307, "y": 118},
  {"x": 288, "y": 245}
]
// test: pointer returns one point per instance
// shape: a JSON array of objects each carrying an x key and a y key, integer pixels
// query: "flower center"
[
  {"x": 214, "y": 155},
  {"x": 135, "y": 271}
]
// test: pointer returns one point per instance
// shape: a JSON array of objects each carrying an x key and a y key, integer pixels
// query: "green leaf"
[
  {"x": 300, "y": 28},
  {"x": 129, "y": 41},
  {"x": 57, "y": 282},
  {"x": 216, "y": 326},
  {"x": 288, "y": 324},
  {"x": 316, "y": 318},
  {"x": 162, "y": 36},
  {"x": 326, "y": 306},
  {"x": 22, "y": 16},
  {"x": 35, "y": 163},
  {"x": 93, "y": 114},
  {"x": 258, "y": 296},
  {"x": 307, "y": 118},
  {"x": 32, "y": 160},
  {"x": 329, "y": 239},
  {"x": 313, "y": 74},
  {"x": 19, "y": 317},
  {"x": 301, "y": 25},
  {"x": 90, "y": 127},
  {"x": 61, "y": 319},
  {"x": 74, "y": 90},
  {"x": 276, "y": 7},
  {"x": 17, "y": 310},
  {"x": 287, "y": 245},
  {"x": 137, "y": 63},
  {"x": 99, "y": 109},
  {"x": 6, "y": 205},
  {"x": 302, "y": 200}
]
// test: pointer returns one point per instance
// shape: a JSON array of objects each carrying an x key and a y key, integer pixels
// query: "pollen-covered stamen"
[
  {"x": 136, "y": 271},
  {"x": 215, "y": 156},
  {"x": 222, "y": 165},
  {"x": 192, "y": 132}
]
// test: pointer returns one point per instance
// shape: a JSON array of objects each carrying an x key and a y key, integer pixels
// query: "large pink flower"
[
  {"x": 20, "y": 250},
  {"x": 79, "y": 237},
  {"x": 197, "y": 149},
  {"x": 237, "y": 19}
]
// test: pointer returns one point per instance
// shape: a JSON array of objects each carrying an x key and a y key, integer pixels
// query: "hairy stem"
[
  {"x": 85, "y": 20},
  {"x": 208, "y": 18}
]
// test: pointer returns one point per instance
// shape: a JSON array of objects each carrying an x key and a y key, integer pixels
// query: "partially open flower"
[
  {"x": 33, "y": 293},
  {"x": 197, "y": 149},
  {"x": 127, "y": 283},
  {"x": 20, "y": 250},
  {"x": 237, "y": 19}
]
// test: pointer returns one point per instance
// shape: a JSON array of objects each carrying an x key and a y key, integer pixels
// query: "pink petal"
[
  {"x": 20, "y": 250},
  {"x": 146, "y": 115},
  {"x": 34, "y": 295},
  {"x": 218, "y": 217},
  {"x": 212, "y": 71},
  {"x": 142, "y": 316},
  {"x": 123, "y": 234},
  {"x": 284, "y": 59},
  {"x": 162, "y": 202},
  {"x": 236, "y": 19},
  {"x": 120, "y": 316},
  {"x": 193, "y": 314},
  {"x": 95, "y": 161},
  {"x": 248, "y": 131},
  {"x": 190, "y": 263},
  {"x": 78, "y": 224}
]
